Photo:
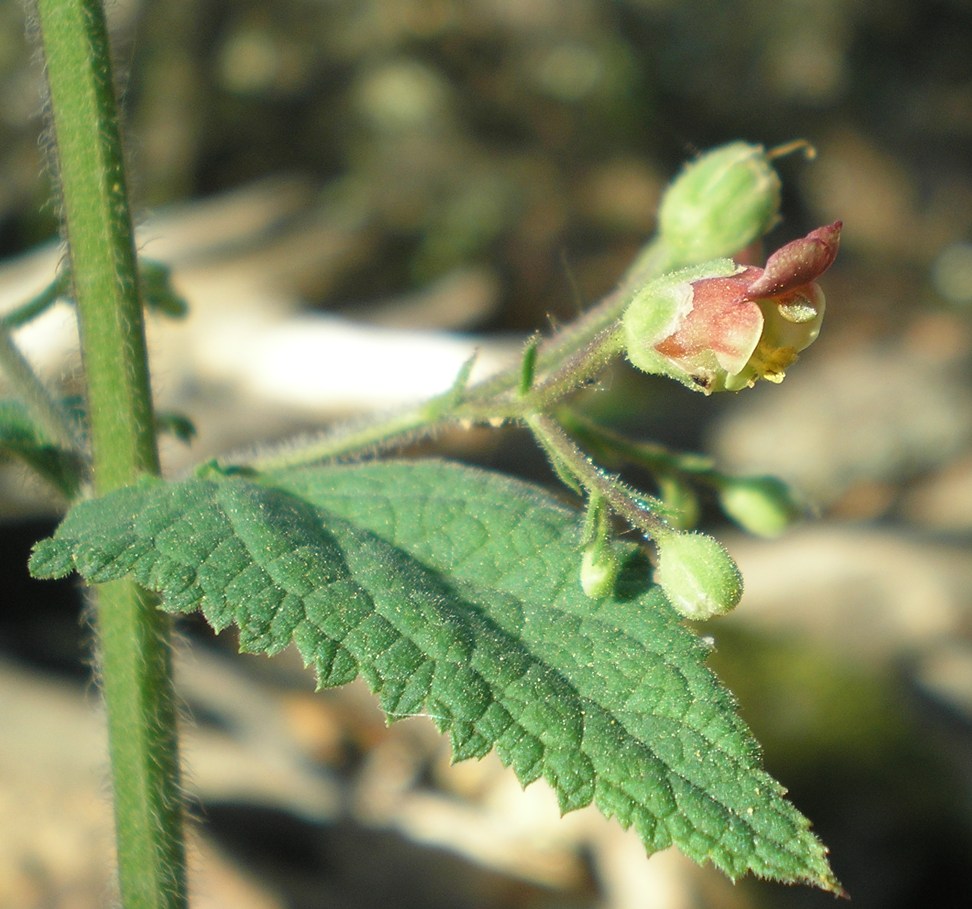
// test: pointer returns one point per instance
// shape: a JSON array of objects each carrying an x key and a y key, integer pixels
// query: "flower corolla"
[{"x": 722, "y": 326}]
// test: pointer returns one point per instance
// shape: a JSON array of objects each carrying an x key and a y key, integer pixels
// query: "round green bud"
[
  {"x": 697, "y": 575},
  {"x": 599, "y": 569},
  {"x": 681, "y": 499},
  {"x": 764, "y": 506},
  {"x": 720, "y": 203}
]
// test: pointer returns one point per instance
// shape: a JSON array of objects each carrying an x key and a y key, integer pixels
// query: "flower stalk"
[{"x": 640, "y": 511}]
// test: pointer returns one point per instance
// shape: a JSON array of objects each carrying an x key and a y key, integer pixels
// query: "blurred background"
[{"x": 353, "y": 196}]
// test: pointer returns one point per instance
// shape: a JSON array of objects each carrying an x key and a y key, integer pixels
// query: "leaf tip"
[{"x": 50, "y": 560}]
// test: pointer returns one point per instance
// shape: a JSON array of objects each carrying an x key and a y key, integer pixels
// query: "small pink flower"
[{"x": 723, "y": 332}]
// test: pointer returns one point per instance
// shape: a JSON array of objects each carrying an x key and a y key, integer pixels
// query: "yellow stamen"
[{"x": 770, "y": 363}]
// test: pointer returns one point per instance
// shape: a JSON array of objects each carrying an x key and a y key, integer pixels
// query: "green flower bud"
[
  {"x": 764, "y": 506},
  {"x": 600, "y": 563},
  {"x": 720, "y": 203},
  {"x": 681, "y": 499},
  {"x": 599, "y": 569},
  {"x": 697, "y": 575}
]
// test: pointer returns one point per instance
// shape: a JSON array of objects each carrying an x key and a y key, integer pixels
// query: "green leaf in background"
[
  {"x": 456, "y": 593},
  {"x": 155, "y": 283},
  {"x": 22, "y": 438},
  {"x": 155, "y": 279}
]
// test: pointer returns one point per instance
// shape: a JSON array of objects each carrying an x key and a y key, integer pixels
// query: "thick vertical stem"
[{"x": 133, "y": 636}]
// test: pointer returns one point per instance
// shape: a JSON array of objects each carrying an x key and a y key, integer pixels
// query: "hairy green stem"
[
  {"x": 133, "y": 636},
  {"x": 352, "y": 439},
  {"x": 577, "y": 369},
  {"x": 507, "y": 396},
  {"x": 38, "y": 304},
  {"x": 638, "y": 510},
  {"x": 570, "y": 342},
  {"x": 556, "y": 367},
  {"x": 650, "y": 455}
]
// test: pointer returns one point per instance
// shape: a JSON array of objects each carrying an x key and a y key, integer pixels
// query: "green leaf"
[
  {"x": 155, "y": 282},
  {"x": 456, "y": 593},
  {"x": 177, "y": 425},
  {"x": 22, "y": 438}
]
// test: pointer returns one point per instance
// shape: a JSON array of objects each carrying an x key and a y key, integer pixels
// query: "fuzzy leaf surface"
[{"x": 456, "y": 593}]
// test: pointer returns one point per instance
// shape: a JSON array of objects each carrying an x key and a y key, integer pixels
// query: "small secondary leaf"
[
  {"x": 155, "y": 282},
  {"x": 177, "y": 425},
  {"x": 456, "y": 593},
  {"x": 22, "y": 438}
]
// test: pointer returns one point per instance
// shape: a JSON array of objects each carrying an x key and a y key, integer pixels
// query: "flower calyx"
[{"x": 722, "y": 326}]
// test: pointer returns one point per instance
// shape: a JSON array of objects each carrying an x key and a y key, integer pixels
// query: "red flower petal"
[
  {"x": 722, "y": 322},
  {"x": 798, "y": 263}
]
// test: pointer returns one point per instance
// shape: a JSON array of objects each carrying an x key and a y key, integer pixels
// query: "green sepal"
[{"x": 656, "y": 311}]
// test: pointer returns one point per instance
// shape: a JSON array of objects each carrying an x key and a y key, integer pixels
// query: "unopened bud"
[
  {"x": 697, "y": 575},
  {"x": 764, "y": 506},
  {"x": 680, "y": 499},
  {"x": 720, "y": 203},
  {"x": 599, "y": 569}
]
